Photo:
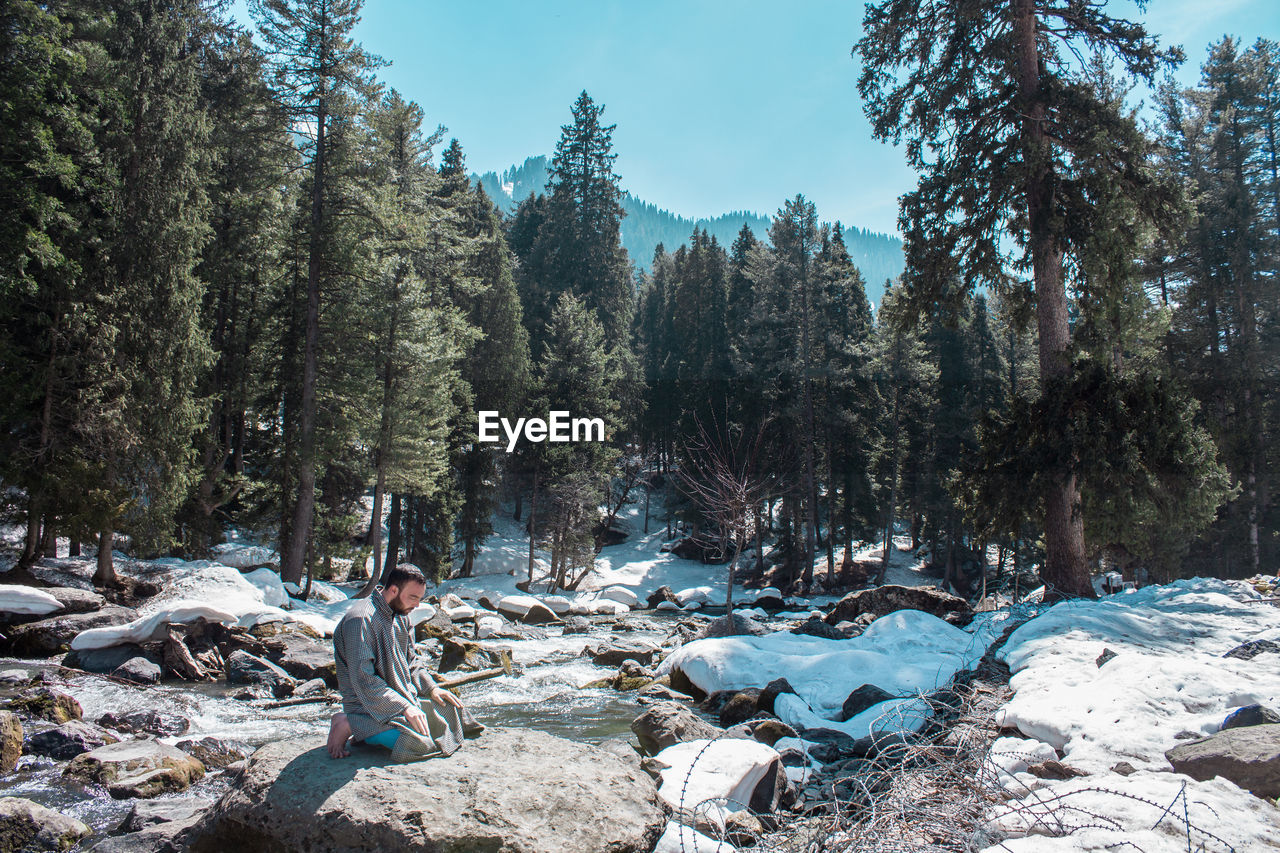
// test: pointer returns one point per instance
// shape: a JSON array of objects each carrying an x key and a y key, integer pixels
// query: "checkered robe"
[{"x": 380, "y": 676}]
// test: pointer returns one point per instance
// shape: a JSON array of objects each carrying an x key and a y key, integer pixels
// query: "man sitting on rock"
[{"x": 384, "y": 682}]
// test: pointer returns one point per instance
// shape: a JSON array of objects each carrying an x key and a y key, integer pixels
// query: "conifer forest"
[{"x": 244, "y": 283}]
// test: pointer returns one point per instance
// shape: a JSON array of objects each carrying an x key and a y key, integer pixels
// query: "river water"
[{"x": 546, "y": 694}]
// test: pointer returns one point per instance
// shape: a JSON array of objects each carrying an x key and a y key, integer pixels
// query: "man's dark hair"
[{"x": 403, "y": 574}]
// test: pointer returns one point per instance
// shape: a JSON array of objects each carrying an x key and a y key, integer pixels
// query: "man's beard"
[{"x": 398, "y": 606}]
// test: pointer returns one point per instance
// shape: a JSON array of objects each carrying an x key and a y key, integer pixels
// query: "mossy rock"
[{"x": 47, "y": 704}]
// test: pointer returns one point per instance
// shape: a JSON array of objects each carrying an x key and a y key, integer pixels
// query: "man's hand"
[
  {"x": 416, "y": 719},
  {"x": 444, "y": 697}
]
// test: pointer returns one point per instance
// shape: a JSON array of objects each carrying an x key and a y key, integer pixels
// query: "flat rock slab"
[
  {"x": 1248, "y": 756},
  {"x": 509, "y": 791}
]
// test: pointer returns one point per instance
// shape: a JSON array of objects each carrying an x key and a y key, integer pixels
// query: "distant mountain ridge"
[{"x": 877, "y": 256}]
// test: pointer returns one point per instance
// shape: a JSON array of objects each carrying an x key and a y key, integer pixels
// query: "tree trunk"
[
  {"x": 105, "y": 575},
  {"x": 393, "y": 530},
  {"x": 1065, "y": 572},
  {"x": 300, "y": 531},
  {"x": 533, "y": 511}
]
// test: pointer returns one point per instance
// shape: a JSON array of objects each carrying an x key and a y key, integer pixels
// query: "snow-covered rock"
[
  {"x": 422, "y": 613},
  {"x": 1167, "y": 676},
  {"x": 26, "y": 601},
  {"x": 694, "y": 595},
  {"x": 679, "y": 838},
  {"x": 273, "y": 591},
  {"x": 905, "y": 653},
  {"x": 558, "y": 604},
  {"x": 724, "y": 771},
  {"x": 621, "y": 595},
  {"x": 488, "y": 626},
  {"x": 609, "y": 607},
  {"x": 147, "y": 629}
]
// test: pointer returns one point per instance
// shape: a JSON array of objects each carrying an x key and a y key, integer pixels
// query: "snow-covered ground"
[{"x": 1168, "y": 677}]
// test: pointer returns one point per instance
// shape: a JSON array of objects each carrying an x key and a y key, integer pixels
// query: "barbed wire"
[{"x": 934, "y": 783}]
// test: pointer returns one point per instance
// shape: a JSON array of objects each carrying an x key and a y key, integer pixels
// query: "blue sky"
[{"x": 719, "y": 105}]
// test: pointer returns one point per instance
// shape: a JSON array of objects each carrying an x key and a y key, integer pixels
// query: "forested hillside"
[
  {"x": 244, "y": 286},
  {"x": 645, "y": 226}
]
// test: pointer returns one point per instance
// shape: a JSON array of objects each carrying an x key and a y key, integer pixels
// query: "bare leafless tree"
[{"x": 727, "y": 474}]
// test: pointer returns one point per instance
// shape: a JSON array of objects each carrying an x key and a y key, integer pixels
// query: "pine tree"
[
  {"x": 319, "y": 69},
  {"x": 577, "y": 247},
  {"x": 1016, "y": 69}
]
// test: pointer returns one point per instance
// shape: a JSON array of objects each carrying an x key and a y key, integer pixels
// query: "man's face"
[{"x": 402, "y": 600}]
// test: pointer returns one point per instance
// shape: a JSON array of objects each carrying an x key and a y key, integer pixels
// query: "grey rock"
[
  {"x": 1106, "y": 655},
  {"x": 159, "y": 723},
  {"x": 577, "y": 625},
  {"x": 139, "y": 670},
  {"x": 45, "y": 703},
  {"x": 310, "y": 688},
  {"x": 244, "y": 668},
  {"x": 76, "y": 600},
  {"x": 214, "y": 752},
  {"x": 54, "y": 634},
  {"x": 10, "y": 741},
  {"x": 615, "y": 655},
  {"x": 743, "y": 626},
  {"x": 862, "y": 699},
  {"x": 668, "y": 723},
  {"x": 1248, "y": 756},
  {"x": 167, "y": 837},
  {"x": 772, "y": 691},
  {"x": 106, "y": 660},
  {"x": 14, "y": 676},
  {"x": 771, "y": 731},
  {"x": 741, "y": 707},
  {"x": 815, "y": 627},
  {"x": 659, "y": 693},
  {"x": 1253, "y": 648},
  {"x": 136, "y": 769},
  {"x": 147, "y": 813},
  {"x": 1251, "y": 715},
  {"x": 509, "y": 790},
  {"x": 69, "y": 740},
  {"x": 302, "y": 657},
  {"x": 881, "y": 600},
  {"x": 659, "y": 595},
  {"x": 26, "y": 827},
  {"x": 1124, "y": 768}
]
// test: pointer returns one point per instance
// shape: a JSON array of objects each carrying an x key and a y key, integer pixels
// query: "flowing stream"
[{"x": 546, "y": 694}]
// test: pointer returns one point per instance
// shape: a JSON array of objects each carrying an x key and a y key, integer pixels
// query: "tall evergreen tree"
[
  {"x": 1016, "y": 68},
  {"x": 320, "y": 73}
]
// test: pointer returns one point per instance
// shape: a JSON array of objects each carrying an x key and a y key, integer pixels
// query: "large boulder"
[
  {"x": 10, "y": 741},
  {"x": 137, "y": 768},
  {"x": 668, "y": 723},
  {"x": 26, "y": 827},
  {"x": 732, "y": 774},
  {"x": 886, "y": 599},
  {"x": 863, "y": 698},
  {"x": 107, "y": 660},
  {"x": 526, "y": 608},
  {"x": 302, "y": 657},
  {"x": 1248, "y": 756},
  {"x": 54, "y": 634},
  {"x": 69, "y": 740},
  {"x": 510, "y": 791},
  {"x": 244, "y": 668}
]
